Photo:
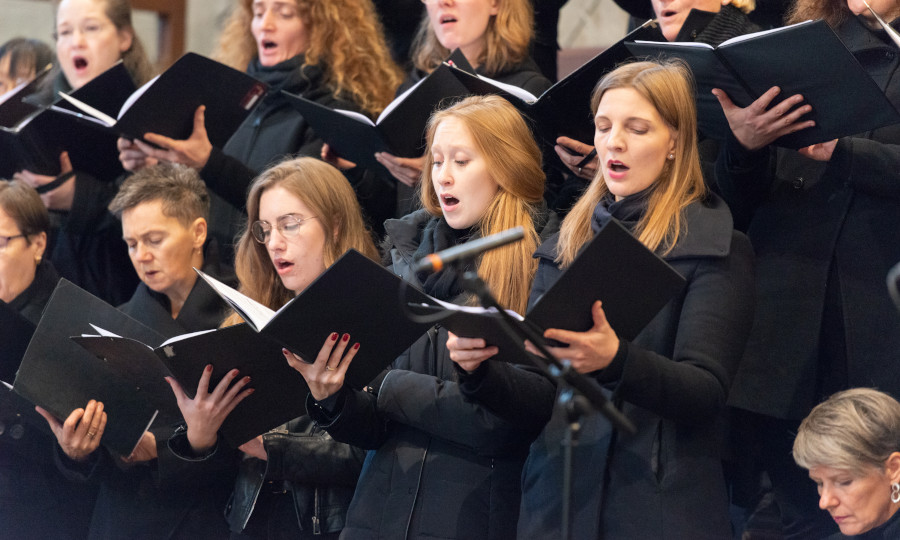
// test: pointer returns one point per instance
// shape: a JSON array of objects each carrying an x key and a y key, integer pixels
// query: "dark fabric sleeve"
[
  {"x": 521, "y": 395},
  {"x": 713, "y": 327},
  {"x": 228, "y": 177},
  {"x": 744, "y": 178},
  {"x": 357, "y": 422},
  {"x": 312, "y": 458},
  {"x": 176, "y": 464},
  {"x": 872, "y": 167},
  {"x": 89, "y": 471},
  {"x": 439, "y": 408},
  {"x": 89, "y": 210}
]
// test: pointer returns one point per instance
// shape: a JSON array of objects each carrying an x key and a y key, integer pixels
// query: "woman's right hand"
[
  {"x": 132, "y": 157},
  {"x": 571, "y": 161},
  {"x": 469, "y": 353},
  {"x": 205, "y": 413},
  {"x": 80, "y": 434},
  {"x": 406, "y": 170},
  {"x": 326, "y": 375},
  {"x": 330, "y": 156},
  {"x": 757, "y": 126}
]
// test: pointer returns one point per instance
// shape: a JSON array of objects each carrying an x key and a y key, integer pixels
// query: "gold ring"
[
  {"x": 329, "y": 368},
  {"x": 91, "y": 434}
]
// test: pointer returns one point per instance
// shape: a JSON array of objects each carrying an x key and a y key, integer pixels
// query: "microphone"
[{"x": 435, "y": 262}]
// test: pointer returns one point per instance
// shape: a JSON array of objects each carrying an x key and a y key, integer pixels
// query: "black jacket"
[
  {"x": 671, "y": 382},
  {"x": 35, "y": 500},
  {"x": 319, "y": 473},
  {"x": 825, "y": 238},
  {"x": 441, "y": 465},
  {"x": 167, "y": 497},
  {"x": 275, "y": 131}
]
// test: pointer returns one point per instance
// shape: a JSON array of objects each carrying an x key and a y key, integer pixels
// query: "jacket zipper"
[{"x": 317, "y": 528}]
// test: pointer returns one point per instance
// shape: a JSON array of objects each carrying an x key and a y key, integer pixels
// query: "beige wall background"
[{"x": 583, "y": 23}]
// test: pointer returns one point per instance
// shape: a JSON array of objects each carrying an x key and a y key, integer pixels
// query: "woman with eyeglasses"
[
  {"x": 35, "y": 501},
  {"x": 442, "y": 465},
  {"x": 91, "y": 36},
  {"x": 295, "y": 481}
]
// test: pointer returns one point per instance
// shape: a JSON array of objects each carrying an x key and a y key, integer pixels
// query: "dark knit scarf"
[
  {"x": 714, "y": 28},
  {"x": 438, "y": 235},
  {"x": 628, "y": 211}
]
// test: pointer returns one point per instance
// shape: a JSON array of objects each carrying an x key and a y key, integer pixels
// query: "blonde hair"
[
  {"x": 856, "y": 430},
  {"x": 179, "y": 188},
  {"x": 514, "y": 161},
  {"x": 325, "y": 191},
  {"x": 135, "y": 58},
  {"x": 508, "y": 37},
  {"x": 345, "y": 35},
  {"x": 668, "y": 87}
]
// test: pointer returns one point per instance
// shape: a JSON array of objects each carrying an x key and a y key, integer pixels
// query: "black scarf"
[
  {"x": 628, "y": 211},
  {"x": 438, "y": 235}
]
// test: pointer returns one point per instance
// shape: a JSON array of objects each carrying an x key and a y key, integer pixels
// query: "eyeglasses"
[
  {"x": 288, "y": 226},
  {"x": 4, "y": 240}
]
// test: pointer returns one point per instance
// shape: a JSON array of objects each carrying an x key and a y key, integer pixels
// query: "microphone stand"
[{"x": 578, "y": 395}]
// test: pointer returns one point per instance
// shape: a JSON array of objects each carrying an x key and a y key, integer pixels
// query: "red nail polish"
[
  {"x": 356, "y": 346},
  {"x": 346, "y": 337},
  {"x": 247, "y": 379},
  {"x": 209, "y": 368},
  {"x": 333, "y": 336}
]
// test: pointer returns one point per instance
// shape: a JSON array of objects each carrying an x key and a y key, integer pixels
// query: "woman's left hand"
[
  {"x": 406, "y": 170},
  {"x": 255, "y": 448},
  {"x": 193, "y": 152},
  {"x": 587, "y": 351},
  {"x": 820, "y": 151},
  {"x": 60, "y": 198},
  {"x": 326, "y": 375},
  {"x": 144, "y": 451},
  {"x": 469, "y": 353}
]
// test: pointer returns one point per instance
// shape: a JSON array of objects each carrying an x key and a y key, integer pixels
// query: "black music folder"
[
  {"x": 60, "y": 376},
  {"x": 633, "y": 283},
  {"x": 166, "y": 104},
  {"x": 399, "y": 130},
  {"x": 807, "y": 58},
  {"x": 279, "y": 391},
  {"x": 564, "y": 109},
  {"x": 354, "y": 296},
  {"x": 14, "y": 106},
  {"x": 35, "y": 141}
]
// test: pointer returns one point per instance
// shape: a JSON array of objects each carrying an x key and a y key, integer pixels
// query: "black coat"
[
  {"x": 441, "y": 465},
  {"x": 168, "y": 497},
  {"x": 275, "y": 131},
  {"x": 36, "y": 501},
  {"x": 824, "y": 233},
  {"x": 671, "y": 382}
]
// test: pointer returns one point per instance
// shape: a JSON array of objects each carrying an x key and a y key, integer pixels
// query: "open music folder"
[{"x": 806, "y": 58}]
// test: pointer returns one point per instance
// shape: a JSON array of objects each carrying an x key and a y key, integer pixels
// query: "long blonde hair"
[
  {"x": 668, "y": 87},
  {"x": 508, "y": 36},
  {"x": 514, "y": 161},
  {"x": 325, "y": 191},
  {"x": 345, "y": 35}
]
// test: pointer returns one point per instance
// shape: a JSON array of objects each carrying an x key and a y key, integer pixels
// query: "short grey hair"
[{"x": 857, "y": 430}]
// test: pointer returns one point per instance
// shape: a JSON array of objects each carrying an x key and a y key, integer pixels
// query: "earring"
[
  {"x": 895, "y": 493},
  {"x": 671, "y": 156}
]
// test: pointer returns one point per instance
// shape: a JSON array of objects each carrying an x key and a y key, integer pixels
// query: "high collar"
[
  {"x": 706, "y": 233},
  {"x": 859, "y": 36},
  {"x": 714, "y": 28},
  {"x": 293, "y": 75}
]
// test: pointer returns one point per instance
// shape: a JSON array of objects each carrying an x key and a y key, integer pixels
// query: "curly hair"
[
  {"x": 344, "y": 35},
  {"x": 508, "y": 37},
  {"x": 833, "y": 11}
]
